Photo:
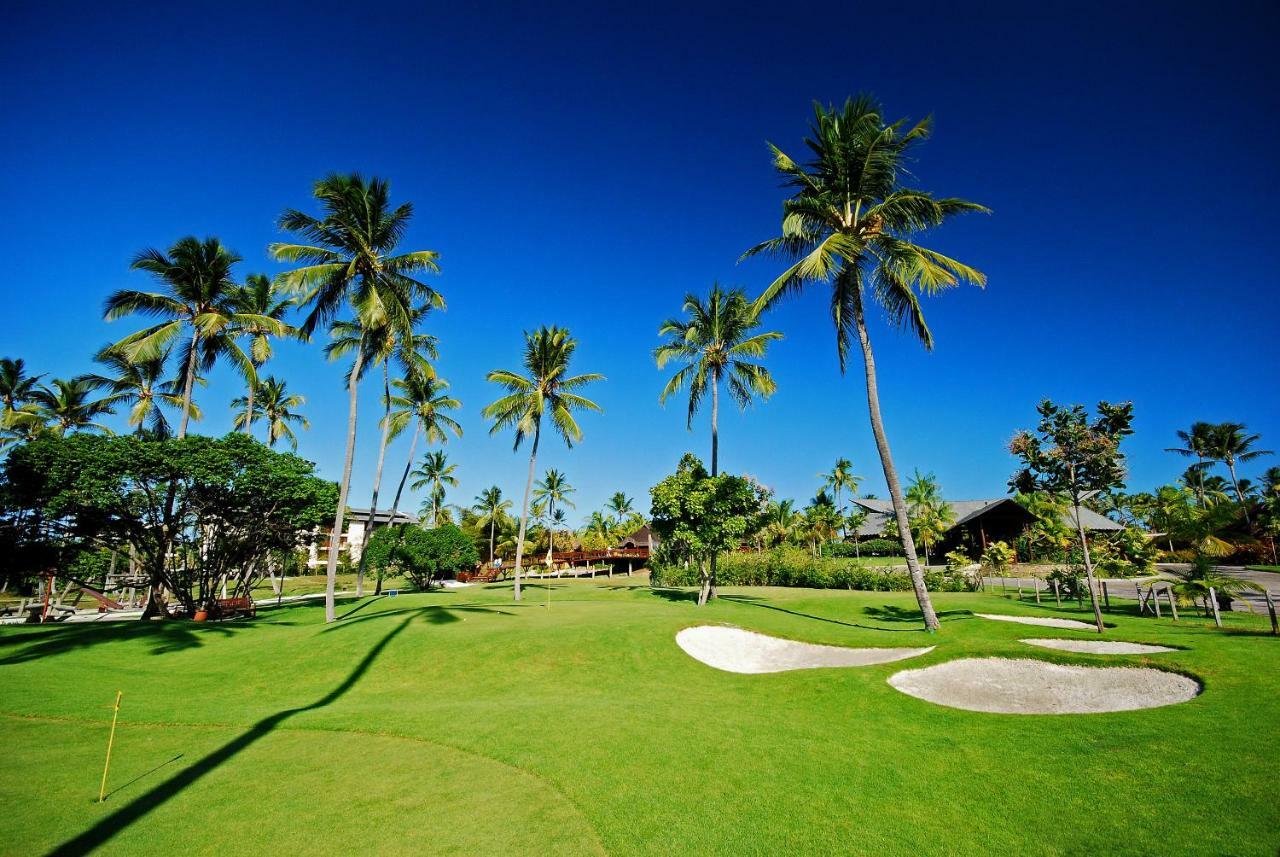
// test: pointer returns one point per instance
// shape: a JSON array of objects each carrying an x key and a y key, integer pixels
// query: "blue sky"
[{"x": 586, "y": 167}]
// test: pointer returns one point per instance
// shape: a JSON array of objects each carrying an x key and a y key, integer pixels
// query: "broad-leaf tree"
[
  {"x": 852, "y": 224},
  {"x": 546, "y": 391}
]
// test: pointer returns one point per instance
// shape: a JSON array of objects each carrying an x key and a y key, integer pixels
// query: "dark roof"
[
  {"x": 382, "y": 516},
  {"x": 880, "y": 511},
  {"x": 641, "y": 537}
]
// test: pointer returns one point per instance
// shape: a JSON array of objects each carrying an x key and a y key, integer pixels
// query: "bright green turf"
[{"x": 458, "y": 722}]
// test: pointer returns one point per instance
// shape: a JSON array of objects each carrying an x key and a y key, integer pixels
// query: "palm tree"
[
  {"x": 434, "y": 473},
  {"x": 16, "y": 386},
  {"x": 422, "y": 400},
  {"x": 620, "y": 506},
  {"x": 850, "y": 223},
  {"x": 1195, "y": 581},
  {"x": 352, "y": 259},
  {"x": 493, "y": 512},
  {"x": 841, "y": 477},
  {"x": 260, "y": 296},
  {"x": 141, "y": 385},
  {"x": 67, "y": 405},
  {"x": 781, "y": 522},
  {"x": 199, "y": 293},
  {"x": 554, "y": 489},
  {"x": 716, "y": 343},
  {"x": 277, "y": 405},
  {"x": 1229, "y": 443},
  {"x": 930, "y": 515},
  {"x": 1195, "y": 443},
  {"x": 546, "y": 391},
  {"x": 603, "y": 529}
]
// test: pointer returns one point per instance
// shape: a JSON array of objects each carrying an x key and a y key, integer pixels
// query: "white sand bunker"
[
  {"x": 1098, "y": 647},
  {"x": 1038, "y": 620},
  {"x": 1005, "y": 686},
  {"x": 737, "y": 651}
]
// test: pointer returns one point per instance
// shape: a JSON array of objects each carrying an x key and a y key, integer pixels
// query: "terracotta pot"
[{"x": 201, "y": 615}]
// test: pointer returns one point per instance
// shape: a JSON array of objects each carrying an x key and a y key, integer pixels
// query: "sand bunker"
[
  {"x": 737, "y": 651},
  {"x": 1024, "y": 686},
  {"x": 1098, "y": 647},
  {"x": 1037, "y": 620}
]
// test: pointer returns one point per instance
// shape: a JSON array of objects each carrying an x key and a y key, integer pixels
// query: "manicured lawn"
[
  {"x": 310, "y": 584},
  {"x": 459, "y": 722},
  {"x": 1275, "y": 568}
]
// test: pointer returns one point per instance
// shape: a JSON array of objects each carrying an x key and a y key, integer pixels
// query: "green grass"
[
  {"x": 312, "y": 584},
  {"x": 1275, "y": 568},
  {"x": 459, "y": 722}
]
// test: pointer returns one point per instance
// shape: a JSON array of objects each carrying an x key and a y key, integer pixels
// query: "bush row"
[
  {"x": 870, "y": 547},
  {"x": 796, "y": 567}
]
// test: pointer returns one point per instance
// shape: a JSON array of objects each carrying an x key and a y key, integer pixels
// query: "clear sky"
[{"x": 587, "y": 167}]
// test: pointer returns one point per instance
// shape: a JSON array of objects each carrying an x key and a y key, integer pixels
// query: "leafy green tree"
[
  {"x": 351, "y": 258},
  {"x": 1195, "y": 444},
  {"x": 423, "y": 556},
  {"x": 277, "y": 405},
  {"x": 260, "y": 297},
  {"x": 199, "y": 295},
  {"x": 851, "y": 223},
  {"x": 546, "y": 391},
  {"x": 493, "y": 511},
  {"x": 700, "y": 516},
  {"x": 433, "y": 475},
  {"x": 1048, "y": 535},
  {"x": 1229, "y": 443},
  {"x": 554, "y": 490},
  {"x": 781, "y": 522},
  {"x": 717, "y": 342},
  {"x": 997, "y": 558},
  {"x": 1073, "y": 456}
]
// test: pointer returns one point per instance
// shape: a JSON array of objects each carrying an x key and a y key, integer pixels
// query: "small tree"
[
  {"x": 699, "y": 516},
  {"x": 423, "y": 556},
  {"x": 1073, "y": 456}
]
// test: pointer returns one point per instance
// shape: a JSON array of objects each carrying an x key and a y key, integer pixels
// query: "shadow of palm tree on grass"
[
  {"x": 163, "y": 637},
  {"x": 891, "y": 613},
  {"x": 755, "y": 602},
  {"x": 158, "y": 795}
]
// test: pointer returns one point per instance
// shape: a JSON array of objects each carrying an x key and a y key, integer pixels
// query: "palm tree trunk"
[
  {"x": 524, "y": 508},
  {"x": 493, "y": 520},
  {"x": 1088, "y": 565},
  {"x": 715, "y": 426},
  {"x": 248, "y": 414},
  {"x": 891, "y": 477},
  {"x": 187, "y": 383},
  {"x": 335, "y": 535},
  {"x": 1200, "y": 479},
  {"x": 1231, "y": 466},
  {"x": 395, "y": 504},
  {"x": 377, "y": 479},
  {"x": 551, "y": 530}
]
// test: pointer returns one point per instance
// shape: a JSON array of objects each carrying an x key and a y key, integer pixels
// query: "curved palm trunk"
[
  {"x": 1235, "y": 483},
  {"x": 187, "y": 384},
  {"x": 524, "y": 508},
  {"x": 248, "y": 415},
  {"x": 891, "y": 477},
  {"x": 395, "y": 504},
  {"x": 377, "y": 479},
  {"x": 1088, "y": 565},
  {"x": 335, "y": 535}
]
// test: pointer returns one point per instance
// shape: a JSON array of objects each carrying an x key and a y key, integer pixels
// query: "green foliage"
[
  {"x": 880, "y": 547},
  {"x": 796, "y": 567},
  {"x": 699, "y": 516},
  {"x": 421, "y": 555},
  {"x": 958, "y": 561},
  {"x": 1125, "y": 553},
  {"x": 997, "y": 557}
]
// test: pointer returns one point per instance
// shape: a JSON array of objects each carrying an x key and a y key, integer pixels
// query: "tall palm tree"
[
  {"x": 141, "y": 385},
  {"x": 716, "y": 343},
  {"x": 546, "y": 391},
  {"x": 930, "y": 515},
  {"x": 1195, "y": 443},
  {"x": 261, "y": 297},
  {"x": 839, "y": 478},
  {"x": 16, "y": 386},
  {"x": 68, "y": 405},
  {"x": 492, "y": 510},
  {"x": 554, "y": 490},
  {"x": 351, "y": 258},
  {"x": 199, "y": 294},
  {"x": 781, "y": 521},
  {"x": 600, "y": 527},
  {"x": 620, "y": 506},
  {"x": 1230, "y": 443},
  {"x": 277, "y": 405},
  {"x": 434, "y": 474},
  {"x": 422, "y": 400},
  {"x": 851, "y": 224}
]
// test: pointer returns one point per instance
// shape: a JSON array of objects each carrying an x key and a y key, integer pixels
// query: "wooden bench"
[{"x": 229, "y": 608}]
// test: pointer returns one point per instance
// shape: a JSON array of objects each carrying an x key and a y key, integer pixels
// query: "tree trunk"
[
  {"x": 187, "y": 384},
  {"x": 493, "y": 519},
  {"x": 524, "y": 508},
  {"x": 891, "y": 477},
  {"x": 377, "y": 479},
  {"x": 1200, "y": 479},
  {"x": 1088, "y": 564},
  {"x": 705, "y": 592},
  {"x": 551, "y": 530},
  {"x": 1231, "y": 466},
  {"x": 715, "y": 427},
  {"x": 395, "y": 504},
  {"x": 335, "y": 535},
  {"x": 248, "y": 414}
]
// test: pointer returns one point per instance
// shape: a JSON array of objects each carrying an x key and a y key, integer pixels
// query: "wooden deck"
[{"x": 567, "y": 561}]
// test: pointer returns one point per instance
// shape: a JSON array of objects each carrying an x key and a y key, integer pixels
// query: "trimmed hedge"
[
  {"x": 871, "y": 547},
  {"x": 797, "y": 567}
]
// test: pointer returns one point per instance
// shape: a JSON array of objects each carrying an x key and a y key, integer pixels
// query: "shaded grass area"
[{"x": 458, "y": 721}]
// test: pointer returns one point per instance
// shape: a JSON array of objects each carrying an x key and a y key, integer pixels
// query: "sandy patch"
[
  {"x": 1098, "y": 647},
  {"x": 1039, "y": 620},
  {"x": 1024, "y": 686},
  {"x": 738, "y": 651}
]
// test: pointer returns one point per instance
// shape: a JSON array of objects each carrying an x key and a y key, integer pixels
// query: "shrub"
[
  {"x": 881, "y": 547},
  {"x": 998, "y": 557},
  {"x": 791, "y": 566},
  {"x": 421, "y": 555}
]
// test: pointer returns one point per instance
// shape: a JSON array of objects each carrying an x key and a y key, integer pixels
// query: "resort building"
[{"x": 354, "y": 538}]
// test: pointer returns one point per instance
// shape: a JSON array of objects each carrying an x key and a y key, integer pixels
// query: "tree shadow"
[
  {"x": 436, "y": 614},
  {"x": 755, "y": 602},
  {"x": 163, "y": 637},
  {"x": 158, "y": 795},
  {"x": 892, "y": 613}
]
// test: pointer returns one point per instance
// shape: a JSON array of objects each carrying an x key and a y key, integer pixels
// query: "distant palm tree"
[
  {"x": 434, "y": 473},
  {"x": 781, "y": 522},
  {"x": 422, "y": 400},
  {"x": 493, "y": 511},
  {"x": 200, "y": 295},
  {"x": 16, "y": 386},
  {"x": 716, "y": 343},
  {"x": 277, "y": 406},
  {"x": 546, "y": 391},
  {"x": 351, "y": 259},
  {"x": 620, "y": 506},
  {"x": 852, "y": 224},
  {"x": 554, "y": 490},
  {"x": 601, "y": 528},
  {"x": 930, "y": 515},
  {"x": 1195, "y": 443},
  {"x": 68, "y": 405},
  {"x": 141, "y": 385},
  {"x": 1229, "y": 443},
  {"x": 260, "y": 296},
  {"x": 839, "y": 478}
]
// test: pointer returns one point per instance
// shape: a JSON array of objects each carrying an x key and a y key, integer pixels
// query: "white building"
[{"x": 353, "y": 540}]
